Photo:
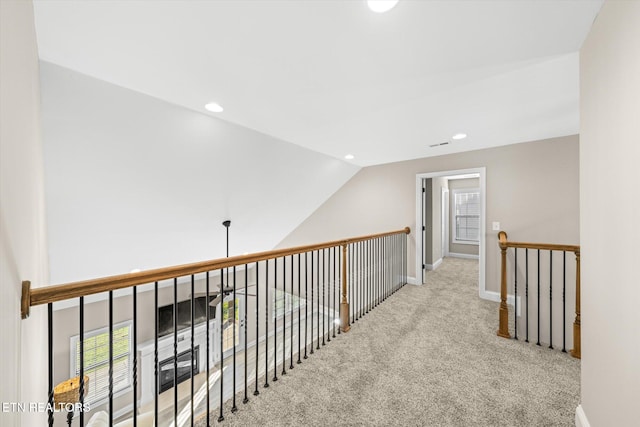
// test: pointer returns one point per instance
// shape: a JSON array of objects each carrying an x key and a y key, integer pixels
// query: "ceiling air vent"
[{"x": 438, "y": 145}]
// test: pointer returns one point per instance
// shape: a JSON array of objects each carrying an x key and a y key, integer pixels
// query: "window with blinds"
[
  {"x": 96, "y": 361},
  {"x": 466, "y": 216}
]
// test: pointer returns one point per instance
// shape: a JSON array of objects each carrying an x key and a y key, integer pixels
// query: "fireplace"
[{"x": 167, "y": 368}]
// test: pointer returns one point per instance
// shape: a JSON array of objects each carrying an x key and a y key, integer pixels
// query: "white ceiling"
[{"x": 335, "y": 77}]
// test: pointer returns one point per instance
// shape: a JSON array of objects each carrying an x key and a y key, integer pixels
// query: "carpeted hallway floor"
[{"x": 428, "y": 356}]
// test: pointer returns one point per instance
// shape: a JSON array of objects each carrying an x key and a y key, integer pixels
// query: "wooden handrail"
[
  {"x": 503, "y": 243},
  {"x": 49, "y": 294}
]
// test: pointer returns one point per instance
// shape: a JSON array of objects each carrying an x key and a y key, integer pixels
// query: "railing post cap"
[{"x": 502, "y": 239}]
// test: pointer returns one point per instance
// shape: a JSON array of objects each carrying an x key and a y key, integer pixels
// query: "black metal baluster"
[
  {"x": 406, "y": 256},
  {"x": 266, "y": 326},
  {"x": 365, "y": 274},
  {"x": 538, "y": 342},
  {"x": 155, "y": 353},
  {"x": 356, "y": 280},
  {"x": 380, "y": 270},
  {"x": 175, "y": 351},
  {"x": 111, "y": 356},
  {"x": 385, "y": 255},
  {"x": 329, "y": 315},
  {"x": 193, "y": 342},
  {"x": 526, "y": 288},
  {"x": 361, "y": 273},
  {"x": 81, "y": 338},
  {"x": 222, "y": 295},
  {"x": 338, "y": 284},
  {"x": 232, "y": 316},
  {"x": 207, "y": 355},
  {"x": 351, "y": 254},
  {"x": 392, "y": 258},
  {"x": 333, "y": 311},
  {"x": 376, "y": 247},
  {"x": 363, "y": 281},
  {"x": 284, "y": 315},
  {"x": 551, "y": 299},
  {"x": 324, "y": 307},
  {"x": 135, "y": 359},
  {"x": 371, "y": 276},
  {"x": 394, "y": 263},
  {"x": 256, "y": 391},
  {"x": 246, "y": 326},
  {"x": 384, "y": 269},
  {"x": 515, "y": 298},
  {"x": 50, "y": 408},
  {"x": 564, "y": 307},
  {"x": 299, "y": 311},
  {"x": 291, "y": 318},
  {"x": 311, "y": 351},
  {"x": 306, "y": 302},
  {"x": 318, "y": 297},
  {"x": 275, "y": 320}
]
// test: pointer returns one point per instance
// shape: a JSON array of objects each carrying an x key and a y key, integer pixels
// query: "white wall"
[
  {"x": 134, "y": 182},
  {"x": 609, "y": 206},
  {"x": 22, "y": 233},
  {"x": 532, "y": 189}
]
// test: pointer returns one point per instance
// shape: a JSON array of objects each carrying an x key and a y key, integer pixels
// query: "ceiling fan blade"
[
  {"x": 216, "y": 301},
  {"x": 204, "y": 294}
]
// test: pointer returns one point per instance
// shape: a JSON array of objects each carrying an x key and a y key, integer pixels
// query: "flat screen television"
[{"x": 165, "y": 315}]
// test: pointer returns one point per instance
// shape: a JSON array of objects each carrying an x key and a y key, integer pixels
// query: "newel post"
[
  {"x": 576, "y": 352},
  {"x": 503, "y": 330},
  {"x": 344, "y": 304}
]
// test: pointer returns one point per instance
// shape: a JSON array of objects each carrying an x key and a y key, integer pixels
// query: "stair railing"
[
  {"x": 304, "y": 294},
  {"x": 536, "y": 300}
]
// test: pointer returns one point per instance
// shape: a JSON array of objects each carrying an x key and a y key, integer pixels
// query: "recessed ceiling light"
[
  {"x": 214, "y": 107},
  {"x": 381, "y": 6},
  {"x": 349, "y": 157},
  {"x": 459, "y": 136}
]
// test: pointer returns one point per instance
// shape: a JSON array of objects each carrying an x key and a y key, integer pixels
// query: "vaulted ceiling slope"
[
  {"x": 335, "y": 77},
  {"x": 133, "y": 182}
]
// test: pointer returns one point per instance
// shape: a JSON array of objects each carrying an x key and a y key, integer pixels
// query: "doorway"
[{"x": 434, "y": 217}]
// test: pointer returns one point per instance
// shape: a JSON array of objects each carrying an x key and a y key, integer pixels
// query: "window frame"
[
  {"x": 454, "y": 234},
  {"x": 74, "y": 369}
]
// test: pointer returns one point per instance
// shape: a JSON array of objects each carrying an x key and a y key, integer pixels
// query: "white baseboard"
[
  {"x": 495, "y": 296},
  {"x": 411, "y": 281},
  {"x": 434, "y": 265},
  {"x": 581, "y": 418},
  {"x": 465, "y": 256}
]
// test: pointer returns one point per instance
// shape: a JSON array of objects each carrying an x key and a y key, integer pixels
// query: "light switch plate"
[{"x": 496, "y": 226}]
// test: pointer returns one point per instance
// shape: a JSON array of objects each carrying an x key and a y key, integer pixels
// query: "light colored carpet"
[{"x": 428, "y": 356}]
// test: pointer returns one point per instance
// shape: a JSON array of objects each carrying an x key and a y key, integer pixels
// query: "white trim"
[
  {"x": 412, "y": 281},
  {"x": 482, "y": 171},
  {"x": 465, "y": 256},
  {"x": 444, "y": 201},
  {"x": 464, "y": 242},
  {"x": 581, "y": 417},
  {"x": 495, "y": 296},
  {"x": 434, "y": 265}
]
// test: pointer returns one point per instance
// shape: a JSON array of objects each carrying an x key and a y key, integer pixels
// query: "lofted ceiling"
[{"x": 336, "y": 78}]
